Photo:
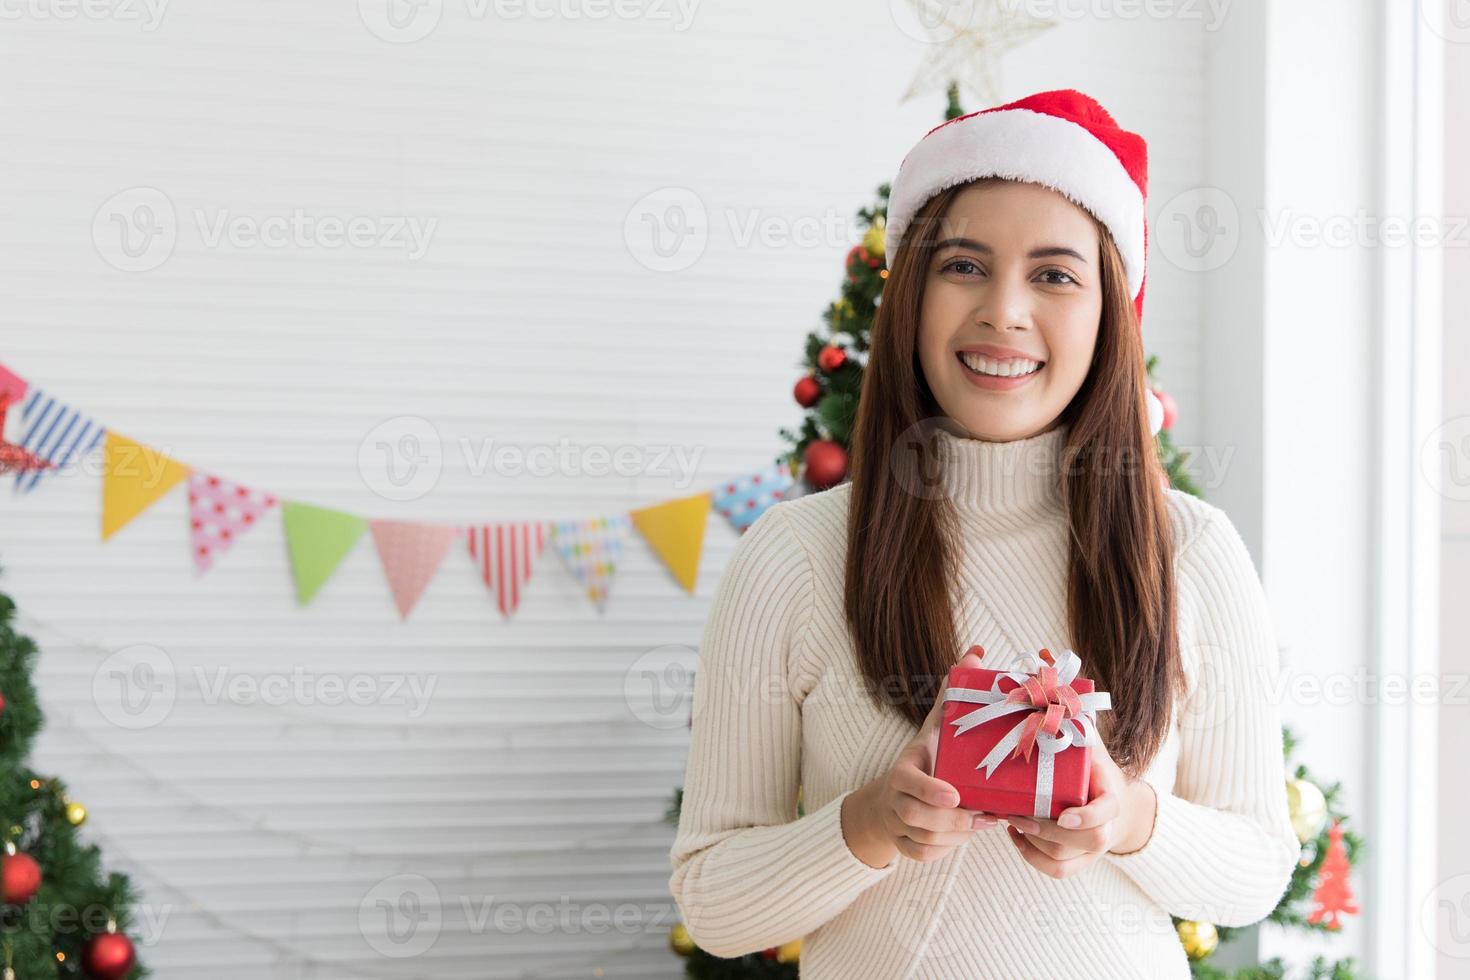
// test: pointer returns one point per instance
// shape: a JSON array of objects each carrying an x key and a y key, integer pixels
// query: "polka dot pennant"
[
  {"x": 411, "y": 554},
  {"x": 219, "y": 512},
  {"x": 744, "y": 499},
  {"x": 591, "y": 550}
]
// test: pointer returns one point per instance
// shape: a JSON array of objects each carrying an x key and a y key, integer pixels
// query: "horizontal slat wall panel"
[{"x": 536, "y": 772}]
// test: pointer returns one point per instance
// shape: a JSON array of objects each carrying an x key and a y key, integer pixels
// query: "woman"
[{"x": 1005, "y": 494}]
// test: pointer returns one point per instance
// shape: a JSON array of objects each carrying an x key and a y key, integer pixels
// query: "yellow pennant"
[
  {"x": 133, "y": 478},
  {"x": 675, "y": 530}
]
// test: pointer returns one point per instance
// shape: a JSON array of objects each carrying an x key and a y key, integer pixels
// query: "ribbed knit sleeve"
[
  {"x": 1222, "y": 848},
  {"x": 746, "y": 875}
]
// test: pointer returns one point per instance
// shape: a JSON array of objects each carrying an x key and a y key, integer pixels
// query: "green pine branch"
[{"x": 46, "y": 936}]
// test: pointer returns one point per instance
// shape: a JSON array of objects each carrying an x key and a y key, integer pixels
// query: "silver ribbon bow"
[{"x": 1078, "y": 729}]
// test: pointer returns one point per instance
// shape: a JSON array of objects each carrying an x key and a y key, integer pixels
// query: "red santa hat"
[{"x": 1062, "y": 139}]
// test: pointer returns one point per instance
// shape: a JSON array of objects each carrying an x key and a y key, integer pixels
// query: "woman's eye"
[
  {"x": 1065, "y": 280},
  {"x": 957, "y": 263}
]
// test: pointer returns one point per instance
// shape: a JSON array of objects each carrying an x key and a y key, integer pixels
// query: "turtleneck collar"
[{"x": 988, "y": 479}]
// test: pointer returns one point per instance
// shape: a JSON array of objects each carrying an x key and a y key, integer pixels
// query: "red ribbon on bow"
[{"x": 1054, "y": 704}]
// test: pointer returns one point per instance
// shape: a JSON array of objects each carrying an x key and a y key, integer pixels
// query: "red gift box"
[{"x": 1047, "y": 718}]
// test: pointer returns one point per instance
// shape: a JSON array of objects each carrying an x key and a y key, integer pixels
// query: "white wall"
[
  {"x": 1453, "y": 871},
  {"x": 256, "y": 831},
  {"x": 1296, "y": 331}
]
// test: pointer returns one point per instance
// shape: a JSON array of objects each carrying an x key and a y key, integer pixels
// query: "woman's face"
[{"x": 1016, "y": 281}]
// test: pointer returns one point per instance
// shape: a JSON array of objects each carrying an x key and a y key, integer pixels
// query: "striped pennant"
[
  {"x": 504, "y": 554},
  {"x": 55, "y": 432}
]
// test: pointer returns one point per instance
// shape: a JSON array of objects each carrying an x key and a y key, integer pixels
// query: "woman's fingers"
[
  {"x": 919, "y": 784},
  {"x": 923, "y": 816},
  {"x": 1094, "y": 838},
  {"x": 1106, "y": 806},
  {"x": 1044, "y": 862},
  {"x": 1052, "y": 849}
]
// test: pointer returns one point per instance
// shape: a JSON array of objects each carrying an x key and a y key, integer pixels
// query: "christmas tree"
[
  {"x": 833, "y": 364},
  {"x": 1320, "y": 878},
  {"x": 61, "y": 915}
]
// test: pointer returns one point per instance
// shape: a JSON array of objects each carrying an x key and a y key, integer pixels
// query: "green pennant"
[{"x": 318, "y": 539}]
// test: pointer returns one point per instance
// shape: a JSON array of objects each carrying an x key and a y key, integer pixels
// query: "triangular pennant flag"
[
  {"x": 12, "y": 389},
  {"x": 54, "y": 432},
  {"x": 411, "y": 553},
  {"x": 317, "y": 539},
  {"x": 675, "y": 529},
  {"x": 133, "y": 478},
  {"x": 592, "y": 549},
  {"x": 745, "y": 499},
  {"x": 504, "y": 554},
  {"x": 219, "y": 513}
]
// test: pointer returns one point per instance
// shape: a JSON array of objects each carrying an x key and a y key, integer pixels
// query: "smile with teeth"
[{"x": 1011, "y": 367}]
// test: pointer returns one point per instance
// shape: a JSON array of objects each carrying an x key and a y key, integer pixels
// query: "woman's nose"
[{"x": 1006, "y": 303}]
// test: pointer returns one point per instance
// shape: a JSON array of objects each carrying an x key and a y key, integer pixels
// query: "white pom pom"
[{"x": 1155, "y": 412}]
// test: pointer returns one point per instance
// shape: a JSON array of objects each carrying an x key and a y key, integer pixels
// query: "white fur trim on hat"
[{"x": 1029, "y": 146}]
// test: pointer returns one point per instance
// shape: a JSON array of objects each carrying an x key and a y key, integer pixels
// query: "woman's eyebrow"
[{"x": 1044, "y": 252}]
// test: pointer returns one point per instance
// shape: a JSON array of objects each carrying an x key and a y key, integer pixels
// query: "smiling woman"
[
  {"x": 1076, "y": 318},
  {"x": 1005, "y": 494}
]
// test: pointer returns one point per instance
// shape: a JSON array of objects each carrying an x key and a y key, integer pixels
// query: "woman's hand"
[
  {"x": 907, "y": 810},
  {"x": 1119, "y": 818}
]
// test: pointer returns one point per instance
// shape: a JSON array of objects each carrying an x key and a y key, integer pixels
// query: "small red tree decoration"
[{"x": 1334, "y": 894}]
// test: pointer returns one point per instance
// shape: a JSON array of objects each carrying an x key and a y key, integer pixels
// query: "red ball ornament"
[
  {"x": 807, "y": 391},
  {"x": 108, "y": 956},
  {"x": 826, "y": 463},
  {"x": 2, "y": 702},
  {"x": 831, "y": 357},
  {"x": 20, "y": 878},
  {"x": 1171, "y": 410},
  {"x": 860, "y": 253}
]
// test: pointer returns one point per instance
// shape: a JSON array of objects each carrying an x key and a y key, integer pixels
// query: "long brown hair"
[{"x": 902, "y": 546}]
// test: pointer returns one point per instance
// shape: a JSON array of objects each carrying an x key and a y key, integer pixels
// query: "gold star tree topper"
[{"x": 967, "y": 39}]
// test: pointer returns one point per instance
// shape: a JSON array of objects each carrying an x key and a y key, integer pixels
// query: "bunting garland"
[
  {"x": 675, "y": 529},
  {"x": 504, "y": 554},
  {"x": 744, "y": 499},
  {"x": 318, "y": 539},
  {"x": 591, "y": 550},
  {"x": 53, "y": 432},
  {"x": 12, "y": 389},
  {"x": 219, "y": 513},
  {"x": 133, "y": 478},
  {"x": 411, "y": 554}
]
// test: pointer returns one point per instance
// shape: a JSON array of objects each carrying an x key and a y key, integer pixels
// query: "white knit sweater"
[{"x": 780, "y": 708}]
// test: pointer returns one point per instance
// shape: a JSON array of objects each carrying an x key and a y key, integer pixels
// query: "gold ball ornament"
[
  {"x": 873, "y": 239},
  {"x": 1308, "y": 808},
  {"x": 680, "y": 941},
  {"x": 789, "y": 952},
  {"x": 1199, "y": 938},
  {"x": 76, "y": 814}
]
